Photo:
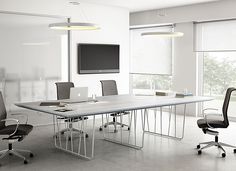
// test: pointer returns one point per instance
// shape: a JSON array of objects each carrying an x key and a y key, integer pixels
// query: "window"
[
  {"x": 215, "y": 44},
  {"x": 151, "y": 60}
]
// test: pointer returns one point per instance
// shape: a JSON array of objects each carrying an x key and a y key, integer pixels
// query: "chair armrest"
[
  {"x": 209, "y": 109},
  {"x": 21, "y": 114},
  {"x": 206, "y": 118},
  {"x": 17, "y": 124}
]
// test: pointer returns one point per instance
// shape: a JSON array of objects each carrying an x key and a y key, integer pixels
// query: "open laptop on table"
[{"x": 77, "y": 95}]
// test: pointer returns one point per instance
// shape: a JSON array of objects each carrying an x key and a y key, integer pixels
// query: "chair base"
[
  {"x": 220, "y": 145},
  {"x": 71, "y": 129},
  {"x": 115, "y": 124},
  {"x": 63, "y": 131},
  {"x": 15, "y": 152}
]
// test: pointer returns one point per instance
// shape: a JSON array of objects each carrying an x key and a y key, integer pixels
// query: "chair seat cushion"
[
  {"x": 23, "y": 129},
  {"x": 213, "y": 122}
]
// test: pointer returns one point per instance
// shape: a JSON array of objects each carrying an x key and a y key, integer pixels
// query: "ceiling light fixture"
[
  {"x": 74, "y": 25},
  {"x": 164, "y": 34}
]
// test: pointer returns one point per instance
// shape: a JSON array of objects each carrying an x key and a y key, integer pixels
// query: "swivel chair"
[
  {"x": 211, "y": 122},
  {"x": 109, "y": 88},
  {"x": 14, "y": 132},
  {"x": 63, "y": 92}
]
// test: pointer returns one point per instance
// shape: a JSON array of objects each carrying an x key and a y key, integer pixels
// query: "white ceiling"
[{"x": 141, "y": 5}]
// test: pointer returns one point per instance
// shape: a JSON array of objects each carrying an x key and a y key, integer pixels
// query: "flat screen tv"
[{"x": 98, "y": 58}]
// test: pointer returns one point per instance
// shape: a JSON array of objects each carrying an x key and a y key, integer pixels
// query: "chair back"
[
  {"x": 3, "y": 112},
  {"x": 63, "y": 90},
  {"x": 109, "y": 87},
  {"x": 226, "y": 105}
]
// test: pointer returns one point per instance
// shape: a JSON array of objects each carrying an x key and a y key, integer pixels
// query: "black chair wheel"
[
  {"x": 31, "y": 155},
  {"x": 198, "y": 146},
  {"x": 128, "y": 128},
  {"x": 10, "y": 154},
  {"x": 62, "y": 133},
  {"x": 105, "y": 126},
  {"x": 86, "y": 135},
  {"x": 223, "y": 155},
  {"x": 234, "y": 150},
  {"x": 199, "y": 152},
  {"x": 115, "y": 131},
  {"x": 122, "y": 126},
  {"x": 25, "y": 162},
  {"x": 100, "y": 129}
]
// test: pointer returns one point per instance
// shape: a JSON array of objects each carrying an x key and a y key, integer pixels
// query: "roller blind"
[
  {"x": 150, "y": 54},
  {"x": 216, "y": 36}
]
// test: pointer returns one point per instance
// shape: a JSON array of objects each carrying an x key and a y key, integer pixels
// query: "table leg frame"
[
  {"x": 121, "y": 141},
  {"x": 175, "y": 123},
  {"x": 79, "y": 153}
]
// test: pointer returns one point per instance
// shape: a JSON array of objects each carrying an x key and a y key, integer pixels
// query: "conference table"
[{"x": 137, "y": 106}]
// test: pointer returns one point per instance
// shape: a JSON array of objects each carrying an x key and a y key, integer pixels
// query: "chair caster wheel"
[
  {"x": 199, "y": 152},
  {"x": 10, "y": 154},
  {"x": 105, "y": 126},
  {"x": 122, "y": 126},
  {"x": 100, "y": 129},
  {"x": 31, "y": 155},
  {"x": 25, "y": 162},
  {"x": 86, "y": 135},
  {"x": 62, "y": 133},
  {"x": 198, "y": 146},
  {"x": 128, "y": 128},
  {"x": 223, "y": 155},
  {"x": 234, "y": 150},
  {"x": 115, "y": 131}
]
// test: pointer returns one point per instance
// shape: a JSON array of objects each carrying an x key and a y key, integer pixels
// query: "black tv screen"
[{"x": 98, "y": 58}]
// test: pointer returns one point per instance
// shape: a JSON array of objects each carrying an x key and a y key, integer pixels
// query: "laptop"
[{"x": 77, "y": 94}]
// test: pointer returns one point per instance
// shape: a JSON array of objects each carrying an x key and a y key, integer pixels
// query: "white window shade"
[
  {"x": 151, "y": 54},
  {"x": 216, "y": 36}
]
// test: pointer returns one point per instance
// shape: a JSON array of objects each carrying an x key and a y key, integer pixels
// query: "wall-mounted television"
[{"x": 98, "y": 58}]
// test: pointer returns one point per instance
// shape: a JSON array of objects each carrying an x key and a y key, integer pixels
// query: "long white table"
[{"x": 106, "y": 105}]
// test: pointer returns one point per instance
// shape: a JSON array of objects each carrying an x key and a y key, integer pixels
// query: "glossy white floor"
[{"x": 158, "y": 153}]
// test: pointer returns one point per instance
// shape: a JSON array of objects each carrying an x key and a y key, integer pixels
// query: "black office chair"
[
  {"x": 109, "y": 88},
  {"x": 216, "y": 121},
  {"x": 15, "y": 132},
  {"x": 63, "y": 92}
]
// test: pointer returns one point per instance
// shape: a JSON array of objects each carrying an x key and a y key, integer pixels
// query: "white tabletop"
[{"x": 110, "y": 104}]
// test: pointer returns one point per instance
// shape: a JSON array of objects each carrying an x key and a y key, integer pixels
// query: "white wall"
[
  {"x": 114, "y": 23},
  {"x": 185, "y": 61},
  {"x": 184, "y": 75},
  {"x": 115, "y": 30}
]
